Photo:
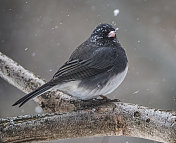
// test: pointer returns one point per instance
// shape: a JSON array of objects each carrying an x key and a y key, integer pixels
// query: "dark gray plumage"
[{"x": 96, "y": 67}]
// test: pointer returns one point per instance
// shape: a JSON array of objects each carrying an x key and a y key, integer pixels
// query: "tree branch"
[
  {"x": 108, "y": 119},
  {"x": 90, "y": 118},
  {"x": 26, "y": 81}
]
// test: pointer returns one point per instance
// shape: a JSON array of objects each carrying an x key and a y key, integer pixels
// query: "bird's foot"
[
  {"x": 104, "y": 97},
  {"x": 108, "y": 99},
  {"x": 83, "y": 104},
  {"x": 91, "y": 103}
]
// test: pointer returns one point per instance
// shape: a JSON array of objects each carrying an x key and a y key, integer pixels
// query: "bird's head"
[{"x": 104, "y": 33}]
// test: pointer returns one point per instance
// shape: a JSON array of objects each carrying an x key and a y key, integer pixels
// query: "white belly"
[{"x": 72, "y": 88}]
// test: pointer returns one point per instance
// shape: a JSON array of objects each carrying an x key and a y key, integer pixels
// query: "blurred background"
[{"x": 40, "y": 35}]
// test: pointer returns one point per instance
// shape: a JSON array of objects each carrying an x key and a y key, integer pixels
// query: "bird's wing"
[{"x": 100, "y": 61}]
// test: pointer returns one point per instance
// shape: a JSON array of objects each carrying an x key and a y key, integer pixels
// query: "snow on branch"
[
  {"x": 26, "y": 81},
  {"x": 83, "y": 119},
  {"x": 113, "y": 119}
]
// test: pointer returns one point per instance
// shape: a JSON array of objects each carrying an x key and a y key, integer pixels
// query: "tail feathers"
[{"x": 33, "y": 94}]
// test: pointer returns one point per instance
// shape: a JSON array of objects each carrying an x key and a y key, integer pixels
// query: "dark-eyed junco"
[{"x": 96, "y": 67}]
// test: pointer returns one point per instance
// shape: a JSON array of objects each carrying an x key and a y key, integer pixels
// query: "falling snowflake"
[
  {"x": 26, "y": 49},
  {"x": 136, "y": 92},
  {"x": 116, "y": 12}
]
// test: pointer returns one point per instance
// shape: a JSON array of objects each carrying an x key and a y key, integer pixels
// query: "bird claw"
[
  {"x": 108, "y": 99},
  {"x": 91, "y": 103}
]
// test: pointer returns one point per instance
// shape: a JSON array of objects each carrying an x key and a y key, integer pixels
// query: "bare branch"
[
  {"x": 115, "y": 119},
  {"x": 26, "y": 81},
  {"x": 94, "y": 118}
]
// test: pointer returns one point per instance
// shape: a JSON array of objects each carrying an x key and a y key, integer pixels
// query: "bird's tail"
[{"x": 33, "y": 94}]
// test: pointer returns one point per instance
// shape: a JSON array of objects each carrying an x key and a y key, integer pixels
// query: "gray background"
[{"x": 40, "y": 35}]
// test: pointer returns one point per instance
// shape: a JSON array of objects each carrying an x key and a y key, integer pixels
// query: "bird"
[{"x": 96, "y": 68}]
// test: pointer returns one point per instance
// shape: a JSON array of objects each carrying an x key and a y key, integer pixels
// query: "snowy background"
[{"x": 40, "y": 35}]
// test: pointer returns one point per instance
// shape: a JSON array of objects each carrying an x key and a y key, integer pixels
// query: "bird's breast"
[
  {"x": 114, "y": 82},
  {"x": 84, "y": 92}
]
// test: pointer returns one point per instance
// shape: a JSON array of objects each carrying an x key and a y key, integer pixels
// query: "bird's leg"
[
  {"x": 104, "y": 97},
  {"x": 91, "y": 103},
  {"x": 109, "y": 100}
]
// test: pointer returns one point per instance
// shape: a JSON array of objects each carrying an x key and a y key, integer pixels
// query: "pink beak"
[{"x": 112, "y": 33}]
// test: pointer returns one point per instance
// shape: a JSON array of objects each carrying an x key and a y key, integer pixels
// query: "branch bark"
[
  {"x": 108, "y": 119},
  {"x": 91, "y": 118},
  {"x": 26, "y": 81}
]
